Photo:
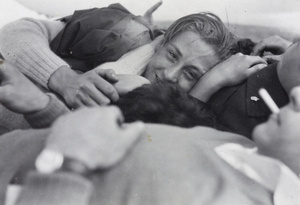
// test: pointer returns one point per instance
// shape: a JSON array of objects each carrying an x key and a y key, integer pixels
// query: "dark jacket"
[
  {"x": 240, "y": 108},
  {"x": 99, "y": 35}
]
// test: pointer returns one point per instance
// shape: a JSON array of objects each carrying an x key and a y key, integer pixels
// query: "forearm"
[
  {"x": 25, "y": 43},
  {"x": 57, "y": 188},
  {"x": 206, "y": 87}
]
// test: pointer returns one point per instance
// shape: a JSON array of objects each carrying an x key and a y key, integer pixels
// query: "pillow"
[{"x": 12, "y": 10}]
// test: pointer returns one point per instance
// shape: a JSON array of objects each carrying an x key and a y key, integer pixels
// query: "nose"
[
  {"x": 172, "y": 74},
  {"x": 295, "y": 98}
]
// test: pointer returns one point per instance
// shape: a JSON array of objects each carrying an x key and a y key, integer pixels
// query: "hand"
[
  {"x": 238, "y": 68},
  {"x": 150, "y": 11},
  {"x": 18, "y": 93},
  {"x": 274, "y": 44},
  {"x": 128, "y": 83},
  {"x": 230, "y": 72},
  {"x": 95, "y": 136},
  {"x": 88, "y": 89}
]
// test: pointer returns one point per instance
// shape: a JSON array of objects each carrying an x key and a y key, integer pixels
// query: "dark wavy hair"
[{"x": 164, "y": 103}]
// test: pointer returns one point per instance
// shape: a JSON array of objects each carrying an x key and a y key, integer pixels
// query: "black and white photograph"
[{"x": 149, "y": 102}]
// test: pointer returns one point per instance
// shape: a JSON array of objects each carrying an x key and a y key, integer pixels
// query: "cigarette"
[{"x": 268, "y": 100}]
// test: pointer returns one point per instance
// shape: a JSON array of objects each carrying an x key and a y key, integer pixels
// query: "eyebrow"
[{"x": 177, "y": 49}]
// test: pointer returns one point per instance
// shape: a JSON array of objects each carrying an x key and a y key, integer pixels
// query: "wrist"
[
  {"x": 206, "y": 86},
  {"x": 50, "y": 161},
  {"x": 58, "y": 80}
]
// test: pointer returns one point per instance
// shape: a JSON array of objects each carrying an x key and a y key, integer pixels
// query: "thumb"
[
  {"x": 272, "y": 58},
  {"x": 255, "y": 68},
  {"x": 108, "y": 74},
  {"x": 132, "y": 132}
]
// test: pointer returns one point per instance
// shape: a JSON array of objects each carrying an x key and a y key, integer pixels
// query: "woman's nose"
[{"x": 171, "y": 74}]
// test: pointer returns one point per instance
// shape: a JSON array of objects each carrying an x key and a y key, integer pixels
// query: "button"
[{"x": 254, "y": 98}]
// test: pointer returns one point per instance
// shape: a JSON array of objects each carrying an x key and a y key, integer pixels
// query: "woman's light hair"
[{"x": 209, "y": 27}]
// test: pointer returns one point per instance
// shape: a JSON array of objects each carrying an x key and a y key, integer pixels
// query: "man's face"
[
  {"x": 182, "y": 61},
  {"x": 282, "y": 131},
  {"x": 290, "y": 59}
]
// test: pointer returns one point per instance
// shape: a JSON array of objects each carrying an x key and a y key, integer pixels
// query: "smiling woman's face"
[{"x": 182, "y": 61}]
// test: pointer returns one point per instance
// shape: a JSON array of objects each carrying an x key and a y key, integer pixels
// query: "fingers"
[
  {"x": 131, "y": 132},
  {"x": 90, "y": 89},
  {"x": 272, "y": 58},
  {"x": 108, "y": 74},
  {"x": 107, "y": 89},
  {"x": 77, "y": 103},
  {"x": 91, "y": 96},
  {"x": 152, "y": 9},
  {"x": 274, "y": 44},
  {"x": 256, "y": 64},
  {"x": 253, "y": 60},
  {"x": 87, "y": 101},
  {"x": 255, "y": 68},
  {"x": 259, "y": 48}
]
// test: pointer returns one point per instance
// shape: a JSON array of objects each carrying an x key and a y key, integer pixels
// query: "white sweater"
[{"x": 25, "y": 43}]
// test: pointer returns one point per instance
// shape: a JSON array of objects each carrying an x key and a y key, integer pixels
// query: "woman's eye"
[
  {"x": 191, "y": 75},
  {"x": 172, "y": 55}
]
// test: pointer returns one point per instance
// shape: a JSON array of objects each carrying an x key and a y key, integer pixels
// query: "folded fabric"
[{"x": 270, "y": 173}]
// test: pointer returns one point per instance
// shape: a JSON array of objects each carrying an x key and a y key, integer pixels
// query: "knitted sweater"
[{"x": 26, "y": 44}]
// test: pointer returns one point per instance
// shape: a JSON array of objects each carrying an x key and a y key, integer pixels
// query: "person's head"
[
  {"x": 279, "y": 137},
  {"x": 163, "y": 103},
  {"x": 191, "y": 46},
  {"x": 290, "y": 61}
]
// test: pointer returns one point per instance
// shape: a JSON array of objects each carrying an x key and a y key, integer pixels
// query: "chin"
[{"x": 261, "y": 133}]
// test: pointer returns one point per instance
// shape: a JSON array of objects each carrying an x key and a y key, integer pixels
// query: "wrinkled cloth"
[
  {"x": 92, "y": 37},
  {"x": 270, "y": 173}
]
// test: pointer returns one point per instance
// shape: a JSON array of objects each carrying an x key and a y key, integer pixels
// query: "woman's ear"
[{"x": 157, "y": 42}]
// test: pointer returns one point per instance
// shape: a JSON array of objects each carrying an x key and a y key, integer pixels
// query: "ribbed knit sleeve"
[
  {"x": 25, "y": 43},
  {"x": 44, "y": 118}
]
